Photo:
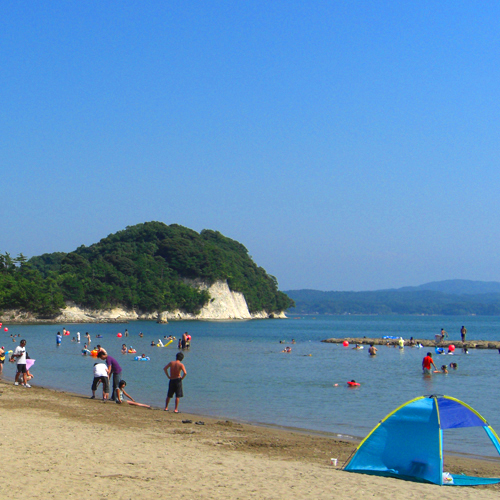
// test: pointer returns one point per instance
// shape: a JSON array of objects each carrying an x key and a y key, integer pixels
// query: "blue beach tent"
[{"x": 408, "y": 443}]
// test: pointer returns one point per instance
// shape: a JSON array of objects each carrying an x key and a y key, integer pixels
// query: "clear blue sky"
[{"x": 349, "y": 145}]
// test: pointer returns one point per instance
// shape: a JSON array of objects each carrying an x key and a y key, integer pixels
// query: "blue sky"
[{"x": 348, "y": 145}]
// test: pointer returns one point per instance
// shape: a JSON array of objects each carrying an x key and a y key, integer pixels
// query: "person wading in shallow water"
[{"x": 426, "y": 364}]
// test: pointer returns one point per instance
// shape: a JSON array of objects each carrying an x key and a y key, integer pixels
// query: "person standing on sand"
[
  {"x": 113, "y": 369},
  {"x": 177, "y": 374},
  {"x": 2, "y": 359},
  {"x": 426, "y": 364},
  {"x": 463, "y": 333},
  {"x": 20, "y": 354},
  {"x": 100, "y": 375}
]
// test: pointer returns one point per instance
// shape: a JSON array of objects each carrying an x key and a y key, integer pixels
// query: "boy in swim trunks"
[{"x": 177, "y": 373}]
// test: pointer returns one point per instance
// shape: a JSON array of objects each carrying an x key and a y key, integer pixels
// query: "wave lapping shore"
[{"x": 59, "y": 445}]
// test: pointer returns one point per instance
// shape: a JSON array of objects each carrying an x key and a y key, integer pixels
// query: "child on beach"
[
  {"x": 100, "y": 376},
  {"x": 120, "y": 392},
  {"x": 177, "y": 374}
]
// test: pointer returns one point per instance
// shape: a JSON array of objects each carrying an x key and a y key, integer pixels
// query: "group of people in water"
[
  {"x": 107, "y": 369},
  {"x": 104, "y": 372},
  {"x": 428, "y": 364}
]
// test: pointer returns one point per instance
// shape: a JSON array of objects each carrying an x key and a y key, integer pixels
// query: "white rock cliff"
[{"x": 224, "y": 304}]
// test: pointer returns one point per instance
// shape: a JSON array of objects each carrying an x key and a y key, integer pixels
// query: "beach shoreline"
[{"x": 77, "y": 447}]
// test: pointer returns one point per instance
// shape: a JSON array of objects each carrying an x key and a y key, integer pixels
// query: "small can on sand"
[{"x": 333, "y": 461}]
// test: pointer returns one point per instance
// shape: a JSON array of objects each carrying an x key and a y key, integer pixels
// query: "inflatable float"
[
  {"x": 165, "y": 345},
  {"x": 140, "y": 358},
  {"x": 353, "y": 383}
]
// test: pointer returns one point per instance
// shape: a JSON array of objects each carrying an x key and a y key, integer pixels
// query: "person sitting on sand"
[
  {"x": 120, "y": 392},
  {"x": 372, "y": 351},
  {"x": 411, "y": 342}
]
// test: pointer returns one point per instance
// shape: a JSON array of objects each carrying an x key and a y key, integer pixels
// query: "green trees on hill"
[
  {"x": 150, "y": 267},
  {"x": 23, "y": 287}
]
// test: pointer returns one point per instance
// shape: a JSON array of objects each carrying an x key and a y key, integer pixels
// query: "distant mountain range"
[
  {"x": 449, "y": 297},
  {"x": 456, "y": 287}
]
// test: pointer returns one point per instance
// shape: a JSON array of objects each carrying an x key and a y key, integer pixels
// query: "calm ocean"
[{"x": 236, "y": 369}]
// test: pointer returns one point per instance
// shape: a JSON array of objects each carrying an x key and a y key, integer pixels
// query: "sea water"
[{"x": 236, "y": 369}]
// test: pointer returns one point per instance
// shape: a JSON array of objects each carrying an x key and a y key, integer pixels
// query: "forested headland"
[{"x": 148, "y": 267}]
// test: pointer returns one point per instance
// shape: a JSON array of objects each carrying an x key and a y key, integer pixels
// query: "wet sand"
[{"x": 60, "y": 445}]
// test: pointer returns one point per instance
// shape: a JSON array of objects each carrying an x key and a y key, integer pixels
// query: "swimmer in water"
[
  {"x": 444, "y": 369},
  {"x": 372, "y": 351}
]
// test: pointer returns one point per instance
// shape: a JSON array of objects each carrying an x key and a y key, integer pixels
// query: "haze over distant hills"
[
  {"x": 449, "y": 297},
  {"x": 456, "y": 287}
]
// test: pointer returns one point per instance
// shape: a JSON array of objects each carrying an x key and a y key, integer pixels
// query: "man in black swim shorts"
[{"x": 177, "y": 373}]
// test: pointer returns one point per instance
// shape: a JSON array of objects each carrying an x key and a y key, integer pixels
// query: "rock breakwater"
[{"x": 474, "y": 344}]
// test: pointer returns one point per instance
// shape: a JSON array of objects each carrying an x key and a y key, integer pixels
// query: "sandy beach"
[{"x": 61, "y": 445}]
